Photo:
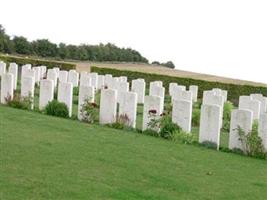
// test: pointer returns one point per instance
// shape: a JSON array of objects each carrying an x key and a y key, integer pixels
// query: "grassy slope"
[{"x": 43, "y": 157}]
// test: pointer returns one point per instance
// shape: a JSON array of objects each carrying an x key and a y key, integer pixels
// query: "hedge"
[
  {"x": 36, "y": 62},
  {"x": 234, "y": 90}
]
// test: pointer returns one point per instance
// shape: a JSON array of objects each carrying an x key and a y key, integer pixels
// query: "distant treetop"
[
  {"x": 45, "y": 48},
  {"x": 168, "y": 64}
]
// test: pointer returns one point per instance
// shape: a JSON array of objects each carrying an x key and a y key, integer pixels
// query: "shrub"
[
  {"x": 161, "y": 125},
  {"x": 197, "y": 104},
  {"x": 196, "y": 117},
  {"x": 56, "y": 108},
  {"x": 24, "y": 103},
  {"x": 167, "y": 127},
  {"x": 252, "y": 143},
  {"x": 168, "y": 108},
  {"x": 227, "y": 110},
  {"x": 183, "y": 137},
  {"x": 76, "y": 91},
  {"x": 89, "y": 111},
  {"x": 37, "y": 62},
  {"x": 151, "y": 132}
]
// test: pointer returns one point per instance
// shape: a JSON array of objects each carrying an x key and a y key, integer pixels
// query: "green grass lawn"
[{"x": 44, "y": 157}]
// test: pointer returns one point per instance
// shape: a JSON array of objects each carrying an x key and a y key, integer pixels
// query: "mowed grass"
[{"x": 44, "y": 157}]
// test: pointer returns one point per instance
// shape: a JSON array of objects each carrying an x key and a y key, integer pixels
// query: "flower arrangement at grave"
[
  {"x": 154, "y": 120},
  {"x": 89, "y": 111}
]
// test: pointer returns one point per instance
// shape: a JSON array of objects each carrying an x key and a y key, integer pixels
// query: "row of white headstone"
[
  {"x": 115, "y": 91},
  {"x": 250, "y": 108}
]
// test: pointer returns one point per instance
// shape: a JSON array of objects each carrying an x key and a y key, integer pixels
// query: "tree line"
[{"x": 83, "y": 52}]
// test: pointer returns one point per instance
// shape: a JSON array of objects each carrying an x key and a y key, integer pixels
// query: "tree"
[
  {"x": 63, "y": 51},
  {"x": 155, "y": 63},
  {"x": 6, "y": 45},
  {"x": 44, "y": 48},
  {"x": 82, "y": 53},
  {"x": 73, "y": 52},
  {"x": 170, "y": 64},
  {"x": 21, "y": 45}
]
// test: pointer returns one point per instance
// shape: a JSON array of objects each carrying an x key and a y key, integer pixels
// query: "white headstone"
[
  {"x": 128, "y": 107},
  {"x": 182, "y": 114},
  {"x": 239, "y": 119},
  {"x": 65, "y": 92},
  {"x": 2, "y": 68},
  {"x": 29, "y": 73},
  {"x": 153, "y": 85},
  {"x": 122, "y": 87},
  {"x": 37, "y": 74},
  {"x": 114, "y": 83},
  {"x": 210, "y": 124},
  {"x": 100, "y": 82},
  {"x": 217, "y": 91},
  {"x": 46, "y": 93},
  {"x": 182, "y": 95},
  {"x": 57, "y": 70},
  {"x": 247, "y": 103},
  {"x": 85, "y": 93},
  {"x": 43, "y": 71},
  {"x": 263, "y": 129},
  {"x": 108, "y": 80},
  {"x": 108, "y": 106},
  {"x": 24, "y": 69},
  {"x": 139, "y": 87},
  {"x": 171, "y": 88},
  {"x": 73, "y": 77},
  {"x": 52, "y": 75},
  {"x": 123, "y": 78},
  {"x": 159, "y": 83},
  {"x": 179, "y": 87},
  {"x": 152, "y": 103},
  {"x": 27, "y": 88},
  {"x": 7, "y": 87},
  {"x": 13, "y": 69},
  {"x": 263, "y": 101},
  {"x": 85, "y": 79},
  {"x": 177, "y": 92},
  {"x": 94, "y": 79},
  {"x": 194, "y": 90},
  {"x": 63, "y": 76},
  {"x": 210, "y": 98},
  {"x": 158, "y": 91}
]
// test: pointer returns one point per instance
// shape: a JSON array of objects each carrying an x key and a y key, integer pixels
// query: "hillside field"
[
  {"x": 44, "y": 157},
  {"x": 156, "y": 69}
]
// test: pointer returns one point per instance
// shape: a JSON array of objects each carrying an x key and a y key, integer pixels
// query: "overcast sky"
[{"x": 221, "y": 37}]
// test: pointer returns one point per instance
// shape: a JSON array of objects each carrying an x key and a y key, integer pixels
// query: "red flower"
[
  {"x": 153, "y": 111},
  {"x": 94, "y": 105}
]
